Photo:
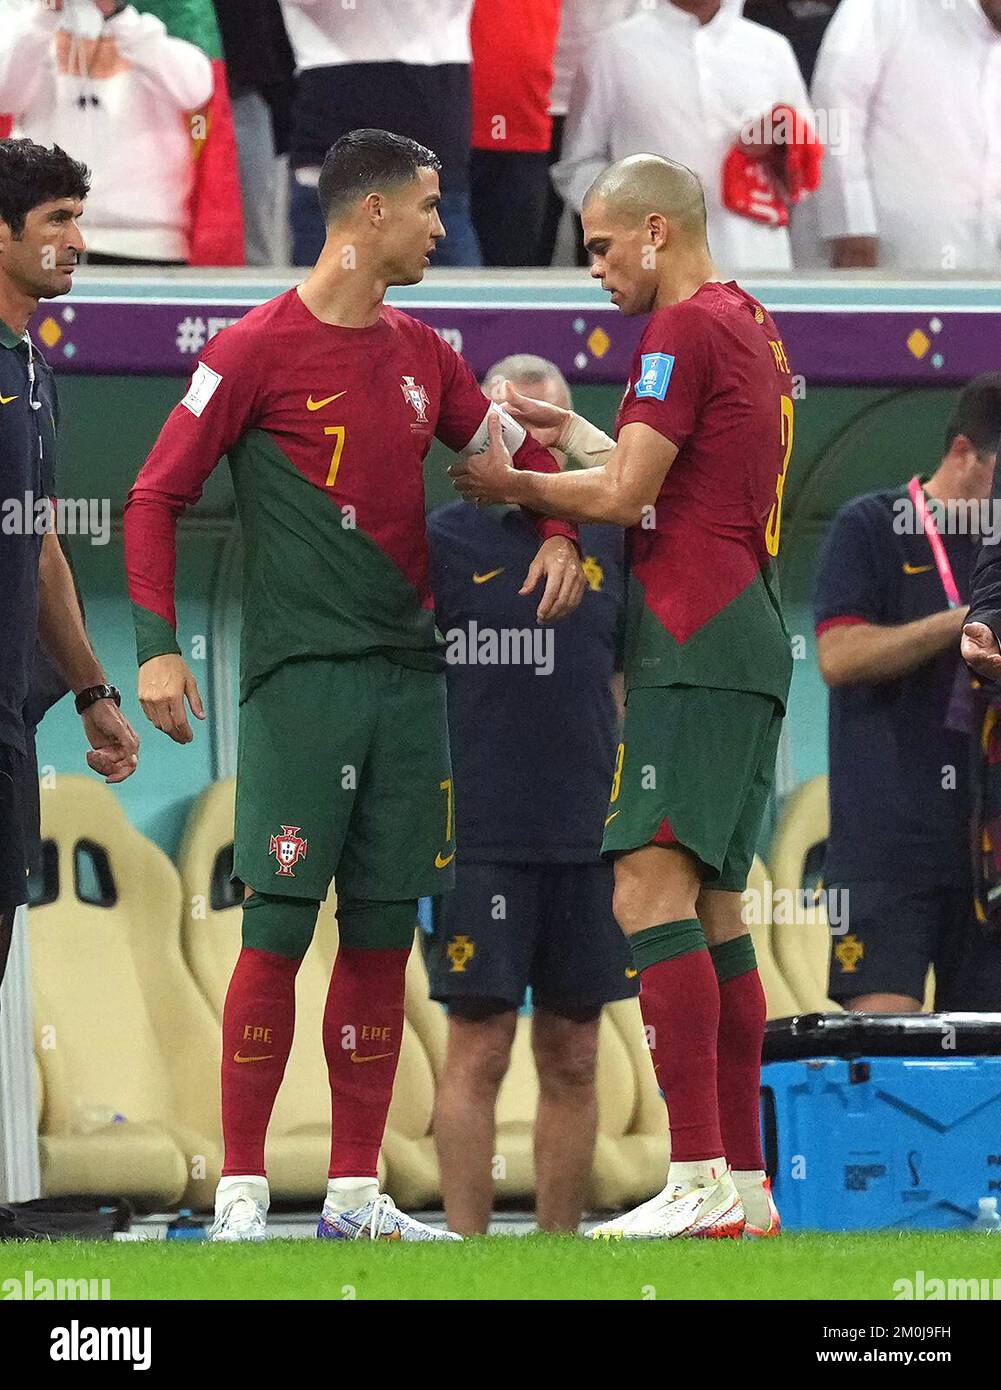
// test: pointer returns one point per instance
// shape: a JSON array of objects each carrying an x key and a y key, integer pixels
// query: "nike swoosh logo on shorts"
[
  {"x": 266, "y": 1058},
  {"x": 440, "y": 863},
  {"x": 490, "y": 574},
  {"x": 375, "y": 1057},
  {"x": 610, "y": 818}
]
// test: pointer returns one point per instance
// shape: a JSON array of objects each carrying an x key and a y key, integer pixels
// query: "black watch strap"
[{"x": 93, "y": 693}]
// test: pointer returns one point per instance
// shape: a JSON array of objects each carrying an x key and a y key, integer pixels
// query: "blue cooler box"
[{"x": 860, "y": 1141}]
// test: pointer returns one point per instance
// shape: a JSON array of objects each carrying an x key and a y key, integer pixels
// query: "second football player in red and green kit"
[
  {"x": 703, "y": 440},
  {"x": 325, "y": 401}
]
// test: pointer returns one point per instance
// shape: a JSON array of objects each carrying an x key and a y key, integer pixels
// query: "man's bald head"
[
  {"x": 633, "y": 188},
  {"x": 645, "y": 228}
]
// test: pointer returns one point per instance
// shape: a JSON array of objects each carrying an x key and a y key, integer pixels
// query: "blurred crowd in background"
[{"x": 821, "y": 129}]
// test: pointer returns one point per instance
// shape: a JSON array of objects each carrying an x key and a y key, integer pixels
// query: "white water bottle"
[{"x": 988, "y": 1220}]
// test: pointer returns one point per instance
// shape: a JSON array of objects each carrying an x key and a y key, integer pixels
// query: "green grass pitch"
[{"x": 803, "y": 1266}]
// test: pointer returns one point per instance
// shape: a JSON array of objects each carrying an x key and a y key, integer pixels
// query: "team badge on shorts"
[
  {"x": 655, "y": 374},
  {"x": 288, "y": 848},
  {"x": 460, "y": 952},
  {"x": 849, "y": 952}
]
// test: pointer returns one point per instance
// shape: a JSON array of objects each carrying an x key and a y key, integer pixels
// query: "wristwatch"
[{"x": 93, "y": 693}]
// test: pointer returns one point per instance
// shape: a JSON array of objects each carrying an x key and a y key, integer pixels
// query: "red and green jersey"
[
  {"x": 711, "y": 375},
  {"x": 326, "y": 430}
]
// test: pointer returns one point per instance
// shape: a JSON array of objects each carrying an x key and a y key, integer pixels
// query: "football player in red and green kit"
[
  {"x": 325, "y": 401},
  {"x": 697, "y": 470}
]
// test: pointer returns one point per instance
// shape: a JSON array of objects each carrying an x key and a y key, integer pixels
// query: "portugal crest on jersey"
[
  {"x": 288, "y": 848},
  {"x": 417, "y": 397}
]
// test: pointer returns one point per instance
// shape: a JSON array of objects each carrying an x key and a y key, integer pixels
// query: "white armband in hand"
[
  {"x": 583, "y": 441},
  {"x": 514, "y": 434}
]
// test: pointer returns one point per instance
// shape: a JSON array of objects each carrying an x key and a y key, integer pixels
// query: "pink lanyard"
[{"x": 935, "y": 541}]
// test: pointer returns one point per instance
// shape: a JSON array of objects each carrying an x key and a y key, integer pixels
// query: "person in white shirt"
[
  {"x": 680, "y": 79},
  {"x": 110, "y": 85},
  {"x": 396, "y": 65},
  {"x": 581, "y": 23},
  {"x": 916, "y": 184}
]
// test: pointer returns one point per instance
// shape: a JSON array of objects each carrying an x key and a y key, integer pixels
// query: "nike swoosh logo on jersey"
[
  {"x": 917, "y": 569},
  {"x": 440, "y": 863},
  {"x": 490, "y": 574},
  {"x": 266, "y": 1058},
  {"x": 318, "y": 405},
  {"x": 375, "y": 1057},
  {"x": 6, "y": 400}
]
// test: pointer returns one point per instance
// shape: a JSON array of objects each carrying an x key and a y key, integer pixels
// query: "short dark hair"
[
  {"x": 977, "y": 413},
  {"x": 31, "y": 175},
  {"x": 368, "y": 161}
]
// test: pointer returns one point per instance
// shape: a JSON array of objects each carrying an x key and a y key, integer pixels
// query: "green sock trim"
[
  {"x": 665, "y": 942},
  {"x": 734, "y": 957}
]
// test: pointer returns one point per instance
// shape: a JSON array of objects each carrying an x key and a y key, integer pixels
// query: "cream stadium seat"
[
  {"x": 801, "y": 950},
  {"x": 780, "y": 1001},
  {"x": 111, "y": 1122},
  {"x": 298, "y": 1149}
]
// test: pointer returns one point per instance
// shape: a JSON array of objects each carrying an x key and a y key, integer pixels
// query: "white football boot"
[
  {"x": 762, "y": 1215},
  {"x": 379, "y": 1219},
  {"x": 707, "y": 1210},
  {"x": 241, "y": 1210}
]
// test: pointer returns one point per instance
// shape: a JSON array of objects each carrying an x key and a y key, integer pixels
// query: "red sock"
[
  {"x": 741, "y": 1033},
  {"x": 362, "y": 1032},
  {"x": 257, "y": 1026},
  {"x": 680, "y": 1005}
]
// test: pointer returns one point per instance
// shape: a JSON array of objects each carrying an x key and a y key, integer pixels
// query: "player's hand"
[
  {"x": 164, "y": 684},
  {"x": 486, "y": 477},
  {"x": 558, "y": 562},
  {"x": 543, "y": 421},
  {"x": 980, "y": 650},
  {"x": 114, "y": 743}
]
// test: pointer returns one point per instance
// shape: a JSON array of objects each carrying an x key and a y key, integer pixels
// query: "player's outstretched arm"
[
  {"x": 557, "y": 428},
  {"x": 217, "y": 409},
  {"x": 621, "y": 490}
]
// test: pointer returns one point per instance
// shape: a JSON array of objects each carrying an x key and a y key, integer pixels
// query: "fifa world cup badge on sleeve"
[
  {"x": 655, "y": 374},
  {"x": 203, "y": 387}
]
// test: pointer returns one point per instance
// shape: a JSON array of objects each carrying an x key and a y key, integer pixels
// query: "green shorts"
[
  {"x": 343, "y": 772},
  {"x": 695, "y": 768}
]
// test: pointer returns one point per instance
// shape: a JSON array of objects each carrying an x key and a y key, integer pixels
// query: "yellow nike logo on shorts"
[
  {"x": 611, "y": 817},
  {"x": 375, "y": 1057},
  {"x": 266, "y": 1058},
  {"x": 318, "y": 405},
  {"x": 440, "y": 863},
  {"x": 6, "y": 400},
  {"x": 917, "y": 569},
  {"x": 490, "y": 574}
]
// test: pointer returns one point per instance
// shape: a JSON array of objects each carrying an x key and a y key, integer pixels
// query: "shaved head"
[
  {"x": 645, "y": 229},
  {"x": 647, "y": 183}
]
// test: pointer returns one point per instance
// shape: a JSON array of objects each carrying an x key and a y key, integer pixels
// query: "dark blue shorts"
[
  {"x": 505, "y": 927},
  {"x": 18, "y": 824},
  {"x": 897, "y": 930}
]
